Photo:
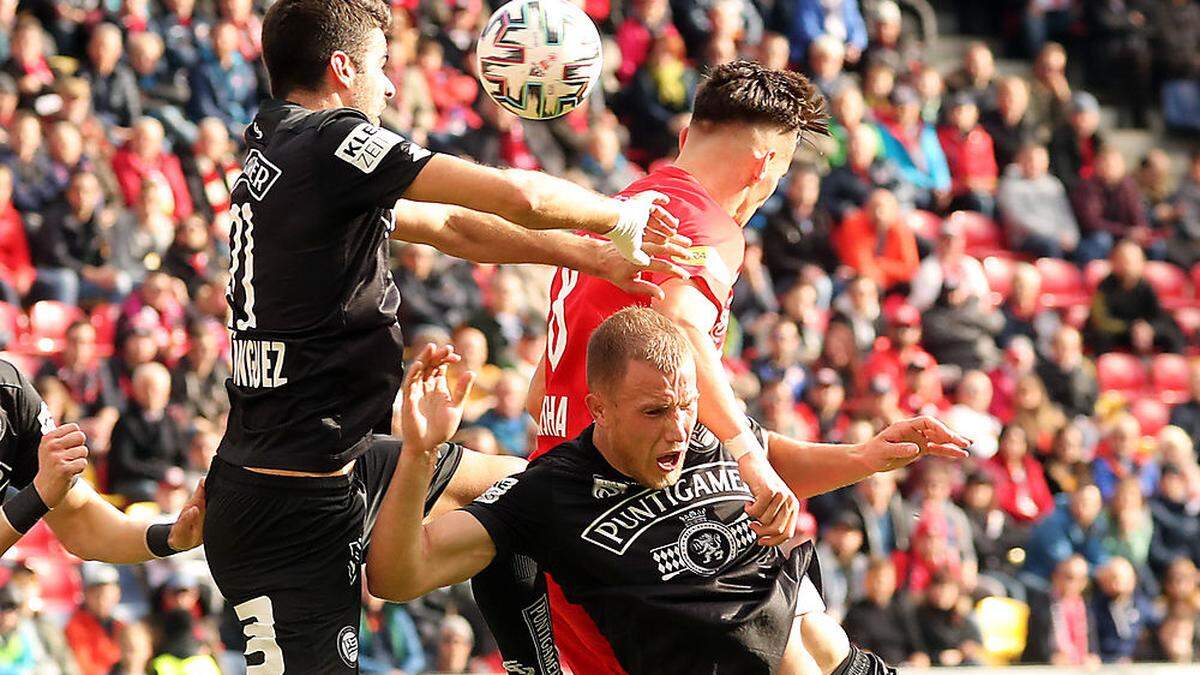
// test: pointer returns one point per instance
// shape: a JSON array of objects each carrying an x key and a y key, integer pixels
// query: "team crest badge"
[
  {"x": 347, "y": 646},
  {"x": 704, "y": 547}
]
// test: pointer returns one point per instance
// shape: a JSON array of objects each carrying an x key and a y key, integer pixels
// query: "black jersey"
[
  {"x": 317, "y": 352},
  {"x": 24, "y": 418},
  {"x": 673, "y": 578}
]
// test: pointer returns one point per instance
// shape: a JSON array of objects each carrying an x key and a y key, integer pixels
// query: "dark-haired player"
[
  {"x": 642, "y": 521},
  {"x": 746, "y": 123},
  {"x": 316, "y": 346}
]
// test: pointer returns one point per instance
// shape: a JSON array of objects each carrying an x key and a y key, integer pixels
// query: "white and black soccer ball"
[{"x": 539, "y": 59}]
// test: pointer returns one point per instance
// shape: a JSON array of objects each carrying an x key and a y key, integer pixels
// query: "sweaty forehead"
[{"x": 644, "y": 383}]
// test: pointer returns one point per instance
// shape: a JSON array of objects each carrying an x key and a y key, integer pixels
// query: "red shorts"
[{"x": 582, "y": 648}]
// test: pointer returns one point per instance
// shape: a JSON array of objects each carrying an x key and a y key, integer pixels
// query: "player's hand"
[
  {"x": 430, "y": 413},
  {"x": 627, "y": 276},
  {"x": 638, "y": 216},
  {"x": 188, "y": 531},
  {"x": 906, "y": 441},
  {"x": 775, "y": 507},
  {"x": 62, "y": 456}
]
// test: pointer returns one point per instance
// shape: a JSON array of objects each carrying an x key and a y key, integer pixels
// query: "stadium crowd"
[{"x": 964, "y": 244}]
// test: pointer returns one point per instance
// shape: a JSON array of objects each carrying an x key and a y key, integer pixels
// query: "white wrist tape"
[{"x": 743, "y": 444}]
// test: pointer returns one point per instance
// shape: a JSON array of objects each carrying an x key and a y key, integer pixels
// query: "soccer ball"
[{"x": 539, "y": 58}]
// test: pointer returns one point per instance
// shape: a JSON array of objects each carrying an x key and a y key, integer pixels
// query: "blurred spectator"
[
  {"x": 164, "y": 90},
  {"x": 33, "y": 187},
  {"x": 1183, "y": 245},
  {"x": 913, "y": 145},
  {"x": 941, "y": 539},
  {"x": 883, "y": 622},
  {"x": 1120, "y": 456},
  {"x": 950, "y": 638},
  {"x": 970, "y": 416},
  {"x": 72, "y": 248},
  {"x": 826, "y": 59},
  {"x": 147, "y": 445},
  {"x": 605, "y": 162},
  {"x": 736, "y": 23},
  {"x": 454, "y": 643},
  {"x": 970, "y": 156},
  {"x": 471, "y": 345},
  {"x": 804, "y": 20},
  {"x": 891, "y": 356},
  {"x": 1186, "y": 415},
  {"x": 507, "y": 419},
  {"x": 876, "y": 242},
  {"x": 1066, "y": 468},
  {"x": 977, "y": 76},
  {"x": 1109, "y": 208},
  {"x": 19, "y": 647},
  {"x": 115, "y": 96},
  {"x": 1176, "y": 42},
  {"x": 1120, "y": 610},
  {"x": 645, "y": 21},
  {"x": 1175, "y": 447},
  {"x": 431, "y": 298},
  {"x": 198, "y": 380},
  {"x": 1069, "y": 376},
  {"x": 223, "y": 85},
  {"x": 212, "y": 169},
  {"x": 1126, "y": 313},
  {"x": 67, "y": 156},
  {"x": 1035, "y": 413},
  {"x": 146, "y": 157},
  {"x": 1034, "y": 207},
  {"x": 1181, "y": 588},
  {"x": 887, "y": 523},
  {"x": 961, "y": 330},
  {"x": 843, "y": 563},
  {"x": 823, "y": 412},
  {"x": 137, "y": 649},
  {"x": 780, "y": 359},
  {"x": 858, "y": 307},
  {"x": 90, "y": 385},
  {"x": 1176, "y": 532},
  {"x": 1021, "y": 489},
  {"x": 1155, "y": 184},
  {"x": 388, "y": 639},
  {"x": 950, "y": 262},
  {"x": 502, "y": 318},
  {"x": 1011, "y": 125},
  {"x": 656, "y": 103},
  {"x": 1075, "y": 143},
  {"x": 1062, "y": 629},
  {"x": 27, "y": 63},
  {"x": 887, "y": 39},
  {"x": 182, "y": 32},
  {"x": 1173, "y": 640},
  {"x": 191, "y": 257},
  {"x": 1019, "y": 361},
  {"x": 848, "y": 186},
  {"x": 16, "y": 267},
  {"x": 798, "y": 234},
  {"x": 1043, "y": 20},
  {"x": 799, "y": 305},
  {"x": 1131, "y": 531},
  {"x": 93, "y": 629},
  {"x": 1050, "y": 92},
  {"x": 1119, "y": 56},
  {"x": 1077, "y": 526},
  {"x": 849, "y": 114},
  {"x": 995, "y": 536}
]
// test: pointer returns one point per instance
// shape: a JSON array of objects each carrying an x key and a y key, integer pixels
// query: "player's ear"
[
  {"x": 595, "y": 407},
  {"x": 764, "y": 164},
  {"x": 341, "y": 66},
  {"x": 683, "y": 134}
]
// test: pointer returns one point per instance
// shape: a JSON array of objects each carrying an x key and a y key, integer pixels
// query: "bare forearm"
[
  {"x": 815, "y": 468},
  {"x": 394, "y": 563},
  {"x": 719, "y": 410},
  {"x": 8, "y": 536},
  {"x": 93, "y": 529},
  {"x": 556, "y": 204}
]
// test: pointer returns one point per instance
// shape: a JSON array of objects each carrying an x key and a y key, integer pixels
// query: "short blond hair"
[{"x": 634, "y": 334}]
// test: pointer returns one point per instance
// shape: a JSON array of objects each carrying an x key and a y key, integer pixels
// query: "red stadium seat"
[
  {"x": 925, "y": 224},
  {"x": 1120, "y": 372},
  {"x": 1195, "y": 275},
  {"x": 1169, "y": 375},
  {"x": 48, "y": 323},
  {"x": 999, "y": 272},
  {"x": 984, "y": 237},
  {"x": 1170, "y": 283},
  {"x": 1095, "y": 272},
  {"x": 1062, "y": 284},
  {"x": 1152, "y": 413},
  {"x": 104, "y": 320},
  {"x": 1188, "y": 319}
]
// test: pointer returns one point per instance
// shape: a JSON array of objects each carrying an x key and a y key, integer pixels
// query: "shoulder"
[{"x": 10, "y": 377}]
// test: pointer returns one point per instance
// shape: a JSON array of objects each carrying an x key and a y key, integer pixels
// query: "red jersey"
[{"x": 579, "y": 303}]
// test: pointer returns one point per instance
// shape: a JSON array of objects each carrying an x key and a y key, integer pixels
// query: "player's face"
[
  {"x": 648, "y": 418},
  {"x": 370, "y": 89}
]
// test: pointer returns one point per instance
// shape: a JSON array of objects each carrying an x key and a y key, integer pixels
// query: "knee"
[{"x": 824, "y": 640}]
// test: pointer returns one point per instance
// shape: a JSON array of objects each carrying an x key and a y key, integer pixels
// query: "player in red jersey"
[{"x": 746, "y": 123}]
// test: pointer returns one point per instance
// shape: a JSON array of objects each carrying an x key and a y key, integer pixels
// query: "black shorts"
[{"x": 287, "y": 555}]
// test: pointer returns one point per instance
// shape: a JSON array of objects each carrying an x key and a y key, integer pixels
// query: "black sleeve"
[
  {"x": 366, "y": 165},
  {"x": 514, "y": 512},
  {"x": 30, "y": 419}
]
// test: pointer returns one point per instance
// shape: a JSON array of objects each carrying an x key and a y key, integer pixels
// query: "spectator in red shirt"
[
  {"x": 452, "y": 92},
  {"x": 970, "y": 156},
  {"x": 92, "y": 630},
  {"x": 823, "y": 412},
  {"x": 1021, "y": 488},
  {"x": 892, "y": 354},
  {"x": 145, "y": 157},
  {"x": 16, "y": 268},
  {"x": 1108, "y": 206},
  {"x": 28, "y": 64},
  {"x": 876, "y": 242},
  {"x": 647, "y": 19},
  {"x": 249, "y": 24},
  {"x": 211, "y": 171}
]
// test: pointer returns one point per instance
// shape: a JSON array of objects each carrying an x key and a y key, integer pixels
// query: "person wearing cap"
[
  {"x": 1034, "y": 208},
  {"x": 875, "y": 241},
  {"x": 1075, "y": 143},
  {"x": 899, "y": 346},
  {"x": 970, "y": 155},
  {"x": 93, "y": 628},
  {"x": 823, "y": 410},
  {"x": 913, "y": 145},
  {"x": 950, "y": 261}
]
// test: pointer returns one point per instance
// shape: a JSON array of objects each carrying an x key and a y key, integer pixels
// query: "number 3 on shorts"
[{"x": 258, "y": 624}]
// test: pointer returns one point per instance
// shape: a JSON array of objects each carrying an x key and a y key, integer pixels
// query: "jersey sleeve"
[
  {"x": 514, "y": 511},
  {"x": 31, "y": 419},
  {"x": 714, "y": 258},
  {"x": 367, "y": 165}
]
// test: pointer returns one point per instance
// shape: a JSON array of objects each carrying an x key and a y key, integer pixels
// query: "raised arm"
[
  {"x": 415, "y": 558},
  {"x": 538, "y": 201},
  {"x": 487, "y": 238}
]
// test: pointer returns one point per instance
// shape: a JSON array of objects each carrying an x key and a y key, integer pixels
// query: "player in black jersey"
[
  {"x": 642, "y": 522},
  {"x": 39, "y": 468},
  {"x": 316, "y": 346}
]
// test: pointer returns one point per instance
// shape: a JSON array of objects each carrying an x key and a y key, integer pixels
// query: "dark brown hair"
[
  {"x": 299, "y": 36},
  {"x": 745, "y": 92}
]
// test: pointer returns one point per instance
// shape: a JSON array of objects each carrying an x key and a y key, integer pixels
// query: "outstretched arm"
[
  {"x": 413, "y": 559},
  {"x": 487, "y": 238},
  {"x": 815, "y": 468}
]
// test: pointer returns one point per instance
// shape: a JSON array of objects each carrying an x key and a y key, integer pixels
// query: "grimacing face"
[
  {"x": 647, "y": 419},
  {"x": 370, "y": 89}
]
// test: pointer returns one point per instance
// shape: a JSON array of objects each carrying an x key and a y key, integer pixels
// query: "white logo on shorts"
[{"x": 347, "y": 646}]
